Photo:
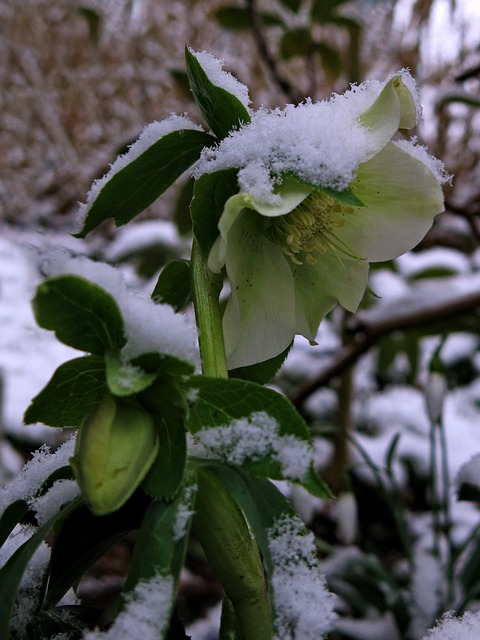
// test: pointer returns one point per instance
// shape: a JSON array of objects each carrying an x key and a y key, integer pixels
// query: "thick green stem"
[
  {"x": 206, "y": 287},
  {"x": 232, "y": 551},
  {"x": 219, "y": 523}
]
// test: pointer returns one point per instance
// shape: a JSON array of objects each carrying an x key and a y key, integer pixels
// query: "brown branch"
[
  {"x": 265, "y": 54},
  {"x": 366, "y": 334}
]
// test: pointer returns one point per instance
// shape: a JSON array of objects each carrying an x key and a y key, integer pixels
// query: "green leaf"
[
  {"x": 296, "y": 42},
  {"x": 347, "y": 196},
  {"x": 237, "y": 18},
  {"x": 211, "y": 192},
  {"x": 82, "y": 314},
  {"x": 324, "y": 10},
  {"x": 166, "y": 473},
  {"x": 84, "y": 538},
  {"x": 330, "y": 58},
  {"x": 164, "y": 364},
  {"x": 222, "y": 110},
  {"x": 12, "y": 571},
  {"x": 261, "y": 430},
  {"x": 11, "y": 517},
  {"x": 293, "y": 5},
  {"x": 132, "y": 189},
  {"x": 261, "y": 372},
  {"x": 124, "y": 378},
  {"x": 173, "y": 285},
  {"x": 162, "y": 537},
  {"x": 181, "y": 208},
  {"x": 75, "y": 388},
  {"x": 261, "y": 502},
  {"x": 167, "y": 405}
]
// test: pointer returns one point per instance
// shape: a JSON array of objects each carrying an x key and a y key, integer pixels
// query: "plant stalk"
[{"x": 206, "y": 287}]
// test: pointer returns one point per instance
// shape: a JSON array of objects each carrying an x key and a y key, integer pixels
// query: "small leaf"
[
  {"x": 221, "y": 109},
  {"x": 181, "y": 208},
  {"x": 162, "y": 538},
  {"x": 173, "y": 285},
  {"x": 296, "y": 42},
  {"x": 211, "y": 192},
  {"x": 82, "y": 314},
  {"x": 142, "y": 181},
  {"x": 237, "y": 18},
  {"x": 330, "y": 58},
  {"x": 293, "y": 5},
  {"x": 11, "y": 517},
  {"x": 75, "y": 388},
  {"x": 261, "y": 372},
  {"x": 124, "y": 378},
  {"x": 167, "y": 405},
  {"x": 347, "y": 196},
  {"x": 324, "y": 10},
  {"x": 164, "y": 364}
]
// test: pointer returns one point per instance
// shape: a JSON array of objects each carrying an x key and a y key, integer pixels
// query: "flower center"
[{"x": 309, "y": 229}]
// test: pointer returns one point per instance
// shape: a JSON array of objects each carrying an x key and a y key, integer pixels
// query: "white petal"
[
  {"x": 402, "y": 197},
  {"x": 259, "y": 319},
  {"x": 291, "y": 194},
  {"x": 394, "y": 108},
  {"x": 335, "y": 278}
]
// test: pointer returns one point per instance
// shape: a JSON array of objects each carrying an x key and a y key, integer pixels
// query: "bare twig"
[{"x": 265, "y": 54}]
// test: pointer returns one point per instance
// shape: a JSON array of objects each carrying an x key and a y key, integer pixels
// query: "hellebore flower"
[{"x": 323, "y": 191}]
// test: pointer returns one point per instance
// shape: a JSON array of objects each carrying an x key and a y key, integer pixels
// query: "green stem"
[
  {"x": 206, "y": 287},
  {"x": 232, "y": 551},
  {"x": 219, "y": 523}
]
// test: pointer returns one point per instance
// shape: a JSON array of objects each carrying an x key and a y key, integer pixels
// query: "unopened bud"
[
  {"x": 435, "y": 392},
  {"x": 116, "y": 445}
]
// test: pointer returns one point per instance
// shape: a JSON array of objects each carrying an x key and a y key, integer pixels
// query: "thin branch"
[
  {"x": 366, "y": 334},
  {"x": 265, "y": 54}
]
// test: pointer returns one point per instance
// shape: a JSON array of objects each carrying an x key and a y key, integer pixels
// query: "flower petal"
[
  {"x": 401, "y": 197},
  {"x": 393, "y": 109},
  {"x": 259, "y": 320},
  {"x": 291, "y": 193},
  {"x": 335, "y": 278}
]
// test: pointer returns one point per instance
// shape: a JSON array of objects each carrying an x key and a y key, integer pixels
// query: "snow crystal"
[
  {"x": 30, "y": 588},
  {"x": 60, "y": 493},
  {"x": 151, "y": 134},
  {"x": 220, "y": 78},
  {"x": 451, "y": 628},
  {"x": 252, "y": 438},
  {"x": 145, "y": 615},
  {"x": 184, "y": 512},
  {"x": 149, "y": 327},
  {"x": 303, "y": 605},
  {"x": 322, "y": 142},
  {"x": 35, "y": 472}
]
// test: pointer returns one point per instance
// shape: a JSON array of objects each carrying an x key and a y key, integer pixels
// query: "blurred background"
[{"x": 80, "y": 80}]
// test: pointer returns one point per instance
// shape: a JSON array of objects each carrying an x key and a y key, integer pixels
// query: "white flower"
[{"x": 301, "y": 232}]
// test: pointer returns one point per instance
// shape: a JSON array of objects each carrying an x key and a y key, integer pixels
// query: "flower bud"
[{"x": 116, "y": 445}]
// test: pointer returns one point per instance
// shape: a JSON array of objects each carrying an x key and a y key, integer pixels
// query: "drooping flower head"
[{"x": 323, "y": 190}]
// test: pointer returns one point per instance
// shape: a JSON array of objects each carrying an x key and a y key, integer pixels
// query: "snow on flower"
[
  {"x": 303, "y": 605},
  {"x": 323, "y": 191}
]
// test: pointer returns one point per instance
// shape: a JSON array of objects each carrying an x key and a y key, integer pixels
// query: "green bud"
[{"x": 116, "y": 445}]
